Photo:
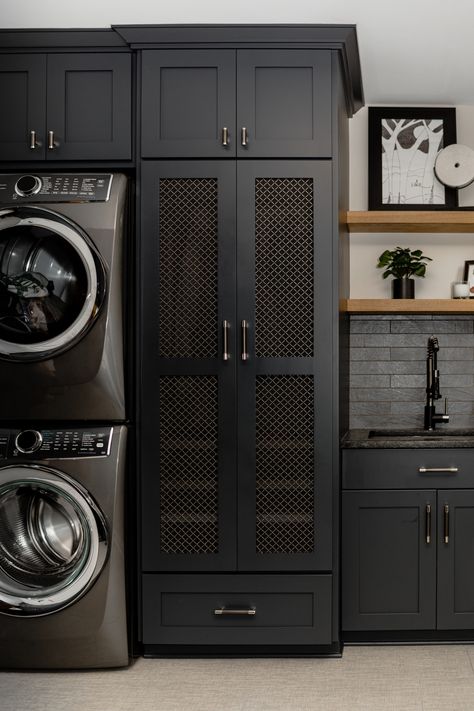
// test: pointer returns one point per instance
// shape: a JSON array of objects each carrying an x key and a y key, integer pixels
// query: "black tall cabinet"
[{"x": 243, "y": 181}]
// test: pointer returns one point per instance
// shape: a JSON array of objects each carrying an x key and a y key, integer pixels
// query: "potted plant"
[{"x": 402, "y": 264}]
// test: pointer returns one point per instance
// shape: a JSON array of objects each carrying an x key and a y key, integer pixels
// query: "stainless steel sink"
[{"x": 420, "y": 434}]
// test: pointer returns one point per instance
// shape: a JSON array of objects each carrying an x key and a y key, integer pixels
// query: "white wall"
[
  {"x": 411, "y": 50},
  {"x": 448, "y": 251}
]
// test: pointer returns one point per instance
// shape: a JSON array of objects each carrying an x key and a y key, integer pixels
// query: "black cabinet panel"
[
  {"x": 407, "y": 468},
  {"x": 23, "y": 91},
  {"x": 455, "y": 560},
  {"x": 388, "y": 567},
  {"x": 285, "y": 463},
  {"x": 270, "y": 102},
  {"x": 188, "y": 98},
  {"x": 205, "y": 384},
  {"x": 66, "y": 106},
  {"x": 89, "y": 106},
  {"x": 188, "y": 401},
  {"x": 284, "y": 103},
  {"x": 186, "y": 609}
]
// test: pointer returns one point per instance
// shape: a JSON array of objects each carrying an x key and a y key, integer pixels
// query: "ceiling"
[{"x": 413, "y": 52}]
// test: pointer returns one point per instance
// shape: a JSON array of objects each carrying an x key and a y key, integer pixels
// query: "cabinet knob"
[
  {"x": 225, "y": 137},
  {"x": 244, "y": 138}
]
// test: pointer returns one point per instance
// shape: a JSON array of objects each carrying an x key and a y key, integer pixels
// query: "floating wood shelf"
[
  {"x": 411, "y": 221},
  {"x": 407, "y": 306}
]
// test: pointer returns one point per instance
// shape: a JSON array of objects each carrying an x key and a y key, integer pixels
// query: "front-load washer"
[
  {"x": 61, "y": 296},
  {"x": 62, "y": 580}
]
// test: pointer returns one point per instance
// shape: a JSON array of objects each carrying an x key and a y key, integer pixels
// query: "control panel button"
[
  {"x": 28, "y": 441},
  {"x": 28, "y": 185}
]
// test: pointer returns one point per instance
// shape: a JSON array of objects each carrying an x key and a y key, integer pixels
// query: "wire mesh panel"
[
  {"x": 188, "y": 267},
  {"x": 188, "y": 464},
  {"x": 284, "y": 464},
  {"x": 284, "y": 282}
]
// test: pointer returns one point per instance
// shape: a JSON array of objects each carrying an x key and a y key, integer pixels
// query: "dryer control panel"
[
  {"x": 70, "y": 443},
  {"x": 54, "y": 187}
]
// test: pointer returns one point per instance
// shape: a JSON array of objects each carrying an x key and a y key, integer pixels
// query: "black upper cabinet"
[
  {"x": 66, "y": 106},
  {"x": 245, "y": 103}
]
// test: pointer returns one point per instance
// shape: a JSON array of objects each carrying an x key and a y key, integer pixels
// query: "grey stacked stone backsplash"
[{"x": 388, "y": 369}]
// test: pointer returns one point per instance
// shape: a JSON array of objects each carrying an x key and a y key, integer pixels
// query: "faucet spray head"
[{"x": 433, "y": 345}]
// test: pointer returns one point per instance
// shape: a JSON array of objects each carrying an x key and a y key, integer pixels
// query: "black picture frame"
[
  {"x": 413, "y": 169},
  {"x": 469, "y": 276}
]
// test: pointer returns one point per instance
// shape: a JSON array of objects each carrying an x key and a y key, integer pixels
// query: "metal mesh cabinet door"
[
  {"x": 285, "y": 366},
  {"x": 188, "y": 371}
]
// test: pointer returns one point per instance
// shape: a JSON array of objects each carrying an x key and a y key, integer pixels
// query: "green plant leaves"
[{"x": 403, "y": 262}]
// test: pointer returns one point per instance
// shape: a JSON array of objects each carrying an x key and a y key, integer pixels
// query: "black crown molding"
[
  {"x": 57, "y": 39},
  {"x": 342, "y": 38}
]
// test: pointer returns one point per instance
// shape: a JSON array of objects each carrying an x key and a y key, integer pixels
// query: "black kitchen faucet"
[{"x": 432, "y": 387}]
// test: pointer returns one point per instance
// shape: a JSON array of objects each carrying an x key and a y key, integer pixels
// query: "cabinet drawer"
[
  {"x": 237, "y": 609},
  {"x": 400, "y": 468}
]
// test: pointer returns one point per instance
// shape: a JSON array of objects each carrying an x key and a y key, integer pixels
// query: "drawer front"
[
  {"x": 408, "y": 468},
  {"x": 237, "y": 609}
]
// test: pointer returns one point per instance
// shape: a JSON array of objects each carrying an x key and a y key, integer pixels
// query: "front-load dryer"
[
  {"x": 61, "y": 296},
  {"x": 62, "y": 581}
]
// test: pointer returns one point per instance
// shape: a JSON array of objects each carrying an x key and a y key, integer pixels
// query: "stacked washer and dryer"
[{"x": 62, "y": 415}]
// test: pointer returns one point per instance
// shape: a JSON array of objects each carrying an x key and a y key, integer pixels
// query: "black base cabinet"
[{"x": 407, "y": 554}]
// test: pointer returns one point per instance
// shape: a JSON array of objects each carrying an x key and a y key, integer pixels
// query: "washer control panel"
[
  {"x": 55, "y": 187},
  {"x": 38, "y": 444}
]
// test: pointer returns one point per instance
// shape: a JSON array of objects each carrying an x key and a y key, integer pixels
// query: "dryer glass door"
[
  {"x": 51, "y": 283},
  {"x": 53, "y": 541}
]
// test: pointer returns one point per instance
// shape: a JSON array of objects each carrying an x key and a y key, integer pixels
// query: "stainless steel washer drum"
[
  {"x": 51, "y": 283},
  {"x": 53, "y": 540}
]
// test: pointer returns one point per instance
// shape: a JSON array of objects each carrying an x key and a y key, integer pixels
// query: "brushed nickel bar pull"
[
  {"x": 51, "y": 142},
  {"x": 236, "y": 611},
  {"x": 244, "y": 138},
  {"x": 428, "y": 523},
  {"x": 245, "y": 327},
  {"x": 437, "y": 470},
  {"x": 446, "y": 523},
  {"x": 225, "y": 337},
  {"x": 225, "y": 137},
  {"x": 33, "y": 142}
]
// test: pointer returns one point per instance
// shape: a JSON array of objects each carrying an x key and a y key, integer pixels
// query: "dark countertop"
[{"x": 408, "y": 439}]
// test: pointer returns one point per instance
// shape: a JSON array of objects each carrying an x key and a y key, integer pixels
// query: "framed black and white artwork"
[
  {"x": 469, "y": 276},
  {"x": 403, "y": 145}
]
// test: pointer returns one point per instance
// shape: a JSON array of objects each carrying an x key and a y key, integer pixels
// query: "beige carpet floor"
[{"x": 417, "y": 678}]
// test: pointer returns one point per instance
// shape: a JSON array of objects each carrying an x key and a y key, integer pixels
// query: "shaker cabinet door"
[
  {"x": 388, "y": 560},
  {"x": 455, "y": 559},
  {"x": 188, "y": 103},
  {"x": 284, "y": 103},
  {"x": 23, "y": 101},
  {"x": 89, "y": 106}
]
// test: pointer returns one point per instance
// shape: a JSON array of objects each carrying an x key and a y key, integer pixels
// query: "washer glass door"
[
  {"x": 53, "y": 541},
  {"x": 51, "y": 283}
]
